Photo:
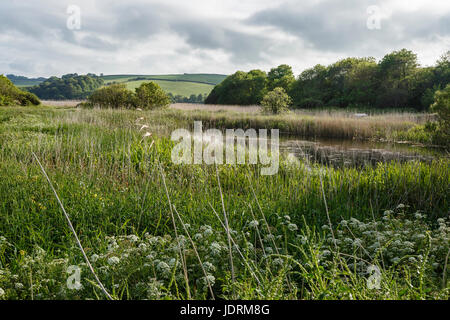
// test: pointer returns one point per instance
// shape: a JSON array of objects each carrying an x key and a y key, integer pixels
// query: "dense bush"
[
  {"x": 150, "y": 95},
  {"x": 70, "y": 86},
  {"x": 114, "y": 96},
  {"x": 11, "y": 95},
  {"x": 442, "y": 107},
  {"x": 276, "y": 101}
]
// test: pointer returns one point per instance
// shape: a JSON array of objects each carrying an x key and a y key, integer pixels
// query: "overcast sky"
[{"x": 212, "y": 36}]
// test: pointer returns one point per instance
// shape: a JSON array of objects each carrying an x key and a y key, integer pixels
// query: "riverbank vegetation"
[{"x": 155, "y": 230}]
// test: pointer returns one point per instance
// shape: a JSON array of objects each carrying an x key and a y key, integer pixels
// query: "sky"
[{"x": 56, "y": 37}]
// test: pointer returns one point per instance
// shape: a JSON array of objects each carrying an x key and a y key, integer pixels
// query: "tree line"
[
  {"x": 396, "y": 81},
  {"x": 68, "y": 87},
  {"x": 200, "y": 98}
]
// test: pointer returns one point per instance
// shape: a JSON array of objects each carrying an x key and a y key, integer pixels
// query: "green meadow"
[
  {"x": 155, "y": 230},
  {"x": 182, "y": 84}
]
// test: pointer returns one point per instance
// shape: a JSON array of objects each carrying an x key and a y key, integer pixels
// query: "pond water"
[{"x": 357, "y": 153}]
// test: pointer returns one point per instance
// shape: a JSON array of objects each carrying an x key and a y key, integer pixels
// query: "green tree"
[
  {"x": 281, "y": 76},
  {"x": 442, "y": 107},
  {"x": 69, "y": 86},
  {"x": 114, "y": 96},
  {"x": 240, "y": 88},
  {"x": 396, "y": 74},
  {"x": 149, "y": 95},
  {"x": 276, "y": 101}
]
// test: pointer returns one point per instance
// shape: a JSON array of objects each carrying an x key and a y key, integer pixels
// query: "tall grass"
[{"x": 109, "y": 178}]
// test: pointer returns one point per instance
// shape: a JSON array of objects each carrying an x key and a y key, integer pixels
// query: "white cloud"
[{"x": 151, "y": 37}]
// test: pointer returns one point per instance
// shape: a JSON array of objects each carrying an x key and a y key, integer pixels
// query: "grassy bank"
[
  {"x": 308, "y": 232},
  {"x": 393, "y": 126}
]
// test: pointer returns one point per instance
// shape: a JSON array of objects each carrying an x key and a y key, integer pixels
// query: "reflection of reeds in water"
[{"x": 336, "y": 157}]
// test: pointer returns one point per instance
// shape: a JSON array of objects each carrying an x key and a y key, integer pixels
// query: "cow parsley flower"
[{"x": 113, "y": 260}]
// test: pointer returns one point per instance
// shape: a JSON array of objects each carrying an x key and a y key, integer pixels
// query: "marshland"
[{"x": 155, "y": 230}]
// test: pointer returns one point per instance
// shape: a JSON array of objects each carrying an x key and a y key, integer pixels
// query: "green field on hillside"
[{"x": 177, "y": 84}]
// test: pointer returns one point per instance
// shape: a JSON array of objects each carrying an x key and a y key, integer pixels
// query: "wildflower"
[
  {"x": 18, "y": 286},
  {"x": 164, "y": 268},
  {"x": 133, "y": 238},
  {"x": 94, "y": 257},
  {"x": 172, "y": 262},
  {"x": 292, "y": 227},
  {"x": 215, "y": 248},
  {"x": 198, "y": 236},
  {"x": 113, "y": 260},
  {"x": 209, "y": 267},
  {"x": 207, "y": 230},
  {"x": 254, "y": 224},
  {"x": 278, "y": 262},
  {"x": 208, "y": 279}
]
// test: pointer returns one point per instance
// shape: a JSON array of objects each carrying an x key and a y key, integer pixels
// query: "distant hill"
[
  {"x": 177, "y": 84},
  {"x": 21, "y": 81}
]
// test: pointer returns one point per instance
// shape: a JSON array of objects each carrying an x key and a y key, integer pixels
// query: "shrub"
[
  {"x": 441, "y": 106},
  {"x": 11, "y": 95},
  {"x": 114, "y": 96},
  {"x": 150, "y": 95},
  {"x": 276, "y": 101}
]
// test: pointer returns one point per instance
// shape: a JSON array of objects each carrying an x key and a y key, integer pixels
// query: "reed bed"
[{"x": 282, "y": 242}]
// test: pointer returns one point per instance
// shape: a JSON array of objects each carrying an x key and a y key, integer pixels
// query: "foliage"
[
  {"x": 242, "y": 88},
  {"x": 276, "y": 101},
  {"x": 281, "y": 76},
  {"x": 442, "y": 107},
  {"x": 150, "y": 95},
  {"x": 11, "y": 95},
  {"x": 397, "y": 81},
  {"x": 114, "y": 96},
  {"x": 69, "y": 86},
  {"x": 200, "y": 98}
]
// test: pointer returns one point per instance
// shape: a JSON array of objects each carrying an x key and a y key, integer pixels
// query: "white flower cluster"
[{"x": 398, "y": 239}]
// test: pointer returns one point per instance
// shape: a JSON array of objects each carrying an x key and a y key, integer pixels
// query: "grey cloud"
[
  {"x": 340, "y": 26},
  {"x": 327, "y": 28}
]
